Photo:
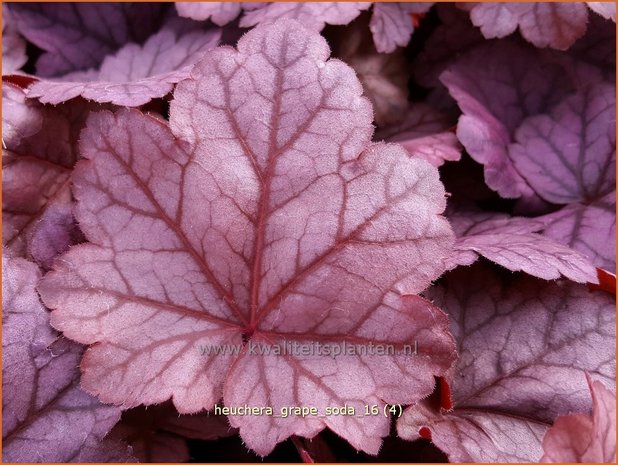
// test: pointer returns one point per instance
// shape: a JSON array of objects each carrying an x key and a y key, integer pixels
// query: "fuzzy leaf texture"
[
  {"x": 515, "y": 243},
  {"x": 524, "y": 351},
  {"x": 46, "y": 417},
  {"x": 265, "y": 213}
]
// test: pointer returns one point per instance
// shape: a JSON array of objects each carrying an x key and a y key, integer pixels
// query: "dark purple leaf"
[
  {"x": 77, "y": 36},
  {"x": 524, "y": 348},
  {"x": 569, "y": 154},
  {"x": 425, "y": 133},
  {"x": 497, "y": 85},
  {"x": 46, "y": 417},
  {"x": 41, "y": 149}
]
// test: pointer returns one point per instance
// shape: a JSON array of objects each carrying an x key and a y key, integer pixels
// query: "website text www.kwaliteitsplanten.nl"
[{"x": 308, "y": 349}]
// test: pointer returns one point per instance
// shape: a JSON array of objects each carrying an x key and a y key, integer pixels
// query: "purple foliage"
[{"x": 215, "y": 207}]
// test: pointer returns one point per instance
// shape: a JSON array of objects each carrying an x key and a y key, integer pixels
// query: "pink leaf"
[
  {"x": 40, "y": 152},
  {"x": 585, "y": 438},
  {"x": 515, "y": 243},
  {"x": 219, "y": 13},
  {"x": 159, "y": 433},
  {"x": 545, "y": 24},
  {"x": 46, "y": 417},
  {"x": 524, "y": 346},
  {"x": 135, "y": 74},
  {"x": 424, "y": 133},
  {"x": 266, "y": 219},
  {"x": 312, "y": 15},
  {"x": 605, "y": 9},
  {"x": 391, "y": 24}
]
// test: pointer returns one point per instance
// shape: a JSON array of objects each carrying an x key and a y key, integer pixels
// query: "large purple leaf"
[
  {"x": 135, "y": 74},
  {"x": 158, "y": 433},
  {"x": 524, "y": 348},
  {"x": 219, "y": 13},
  {"x": 515, "y": 243},
  {"x": 391, "y": 24},
  {"x": 585, "y": 438},
  {"x": 41, "y": 149},
  {"x": 77, "y": 36},
  {"x": 46, "y": 417},
  {"x": 497, "y": 85},
  {"x": 545, "y": 24},
  {"x": 313, "y": 15},
  {"x": 569, "y": 154},
  {"x": 591, "y": 229},
  {"x": 249, "y": 224},
  {"x": 424, "y": 133}
]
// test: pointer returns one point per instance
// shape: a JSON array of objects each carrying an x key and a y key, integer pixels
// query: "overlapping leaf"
[
  {"x": 78, "y": 36},
  {"x": 40, "y": 152},
  {"x": 135, "y": 74},
  {"x": 41, "y": 399},
  {"x": 545, "y": 24},
  {"x": 569, "y": 154},
  {"x": 424, "y": 133},
  {"x": 515, "y": 243},
  {"x": 591, "y": 229},
  {"x": 498, "y": 84},
  {"x": 392, "y": 25},
  {"x": 524, "y": 348},
  {"x": 266, "y": 217}
]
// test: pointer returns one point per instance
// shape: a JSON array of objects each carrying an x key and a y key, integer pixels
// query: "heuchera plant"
[{"x": 308, "y": 232}]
